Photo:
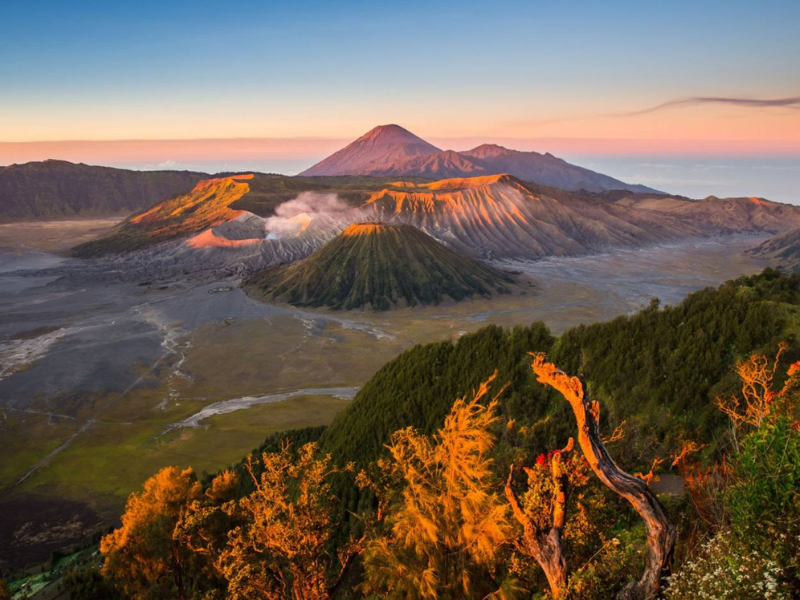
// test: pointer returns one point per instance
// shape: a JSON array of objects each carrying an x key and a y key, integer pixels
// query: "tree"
[
  {"x": 661, "y": 533},
  {"x": 280, "y": 546},
  {"x": 444, "y": 527},
  {"x": 757, "y": 400},
  {"x": 141, "y": 557}
]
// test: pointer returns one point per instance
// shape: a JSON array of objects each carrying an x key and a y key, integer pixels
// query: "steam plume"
[{"x": 295, "y": 214}]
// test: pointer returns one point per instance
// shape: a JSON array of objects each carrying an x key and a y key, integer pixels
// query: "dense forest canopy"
[{"x": 657, "y": 369}]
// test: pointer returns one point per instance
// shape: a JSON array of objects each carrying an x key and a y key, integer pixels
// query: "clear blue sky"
[{"x": 188, "y": 69}]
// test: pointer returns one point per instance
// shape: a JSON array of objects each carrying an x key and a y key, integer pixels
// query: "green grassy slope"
[{"x": 379, "y": 266}]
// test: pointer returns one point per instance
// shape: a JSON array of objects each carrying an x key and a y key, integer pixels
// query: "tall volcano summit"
[
  {"x": 377, "y": 150},
  {"x": 391, "y": 151}
]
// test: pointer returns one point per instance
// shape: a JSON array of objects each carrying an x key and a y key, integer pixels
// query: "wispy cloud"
[{"x": 792, "y": 102}]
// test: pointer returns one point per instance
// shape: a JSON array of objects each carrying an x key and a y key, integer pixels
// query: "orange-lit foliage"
[
  {"x": 703, "y": 486},
  {"x": 444, "y": 525},
  {"x": 757, "y": 401},
  {"x": 650, "y": 477},
  {"x": 204, "y": 526},
  {"x": 279, "y": 549},
  {"x": 141, "y": 557}
]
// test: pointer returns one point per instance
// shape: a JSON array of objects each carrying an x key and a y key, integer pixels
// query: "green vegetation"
[
  {"x": 379, "y": 266},
  {"x": 657, "y": 369}
]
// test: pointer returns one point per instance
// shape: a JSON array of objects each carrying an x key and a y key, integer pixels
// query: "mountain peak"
[
  {"x": 393, "y": 134},
  {"x": 489, "y": 151},
  {"x": 379, "y": 148}
]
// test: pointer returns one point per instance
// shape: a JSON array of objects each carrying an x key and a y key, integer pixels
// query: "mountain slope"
[
  {"x": 379, "y": 266},
  {"x": 390, "y": 150},
  {"x": 498, "y": 216},
  {"x": 546, "y": 169},
  {"x": 783, "y": 248},
  {"x": 374, "y": 151},
  {"x": 722, "y": 215},
  {"x": 56, "y": 189},
  {"x": 205, "y": 206}
]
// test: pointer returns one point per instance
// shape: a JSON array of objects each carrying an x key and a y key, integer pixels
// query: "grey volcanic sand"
[{"x": 101, "y": 338}]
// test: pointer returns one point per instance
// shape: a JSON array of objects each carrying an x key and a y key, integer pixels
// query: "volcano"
[
  {"x": 391, "y": 151},
  {"x": 375, "y": 151},
  {"x": 378, "y": 266}
]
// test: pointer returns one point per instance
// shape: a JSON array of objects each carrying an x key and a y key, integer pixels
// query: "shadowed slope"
[
  {"x": 722, "y": 215},
  {"x": 378, "y": 266},
  {"x": 56, "y": 189},
  {"x": 783, "y": 248}
]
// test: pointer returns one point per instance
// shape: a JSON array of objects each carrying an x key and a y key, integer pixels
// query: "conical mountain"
[
  {"x": 391, "y": 151},
  {"x": 371, "y": 265},
  {"x": 376, "y": 150}
]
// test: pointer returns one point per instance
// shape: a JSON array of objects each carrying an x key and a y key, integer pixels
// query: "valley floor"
[
  {"x": 102, "y": 385},
  {"x": 53, "y": 236}
]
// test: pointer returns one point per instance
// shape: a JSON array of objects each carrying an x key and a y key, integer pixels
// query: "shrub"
[{"x": 723, "y": 569}]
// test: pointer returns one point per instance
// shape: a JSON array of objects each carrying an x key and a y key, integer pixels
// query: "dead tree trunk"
[
  {"x": 660, "y": 533},
  {"x": 545, "y": 546}
]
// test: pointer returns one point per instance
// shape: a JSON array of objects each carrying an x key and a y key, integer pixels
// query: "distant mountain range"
[
  {"x": 390, "y": 150},
  {"x": 56, "y": 189},
  {"x": 377, "y": 266}
]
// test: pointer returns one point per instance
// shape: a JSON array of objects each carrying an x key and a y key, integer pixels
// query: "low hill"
[
  {"x": 206, "y": 205},
  {"x": 721, "y": 215},
  {"x": 783, "y": 248},
  {"x": 379, "y": 266},
  {"x": 56, "y": 189},
  {"x": 390, "y": 150}
]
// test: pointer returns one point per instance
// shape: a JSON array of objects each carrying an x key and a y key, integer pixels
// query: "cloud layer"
[{"x": 792, "y": 102}]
